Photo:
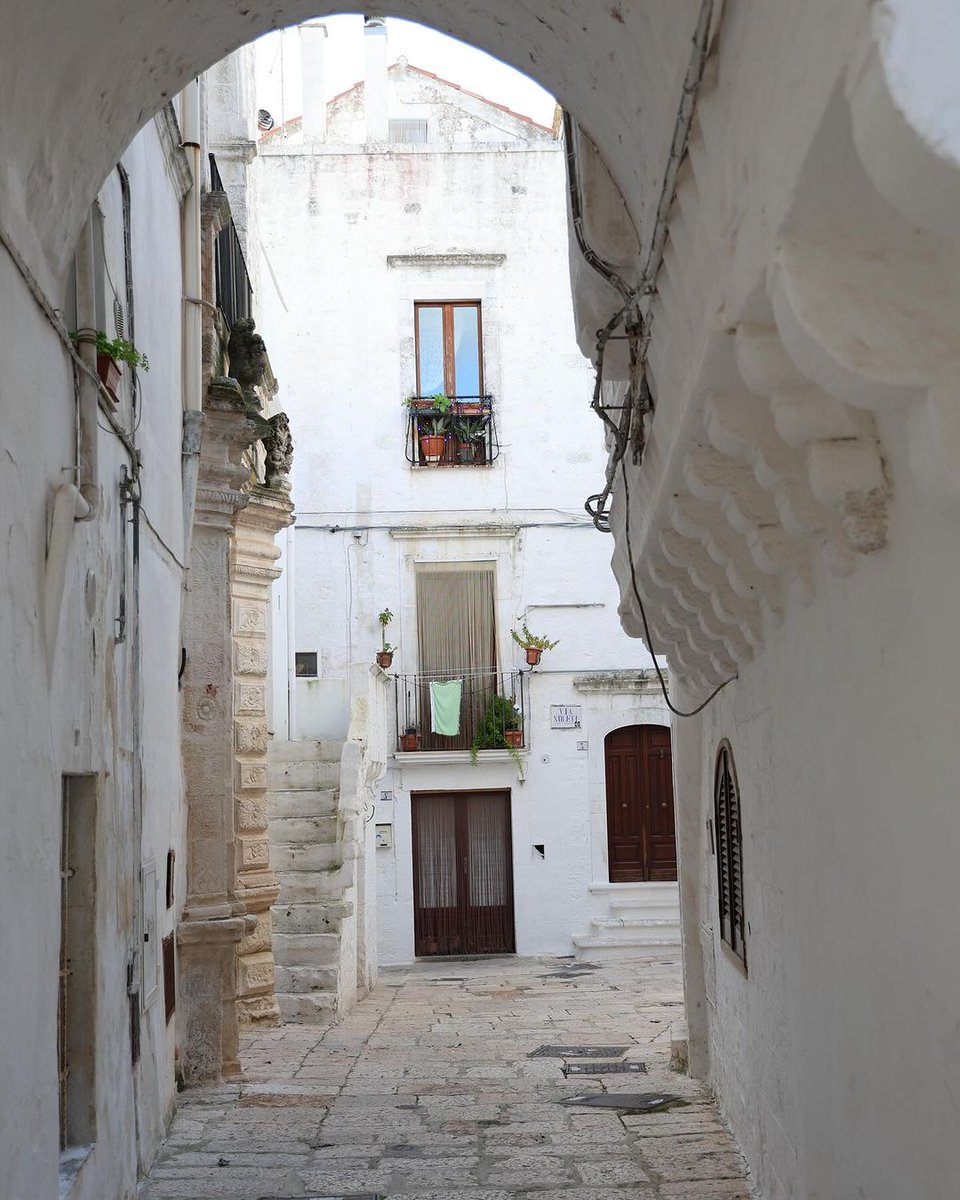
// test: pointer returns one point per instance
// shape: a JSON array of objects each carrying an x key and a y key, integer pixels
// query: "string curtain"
[{"x": 456, "y": 636}]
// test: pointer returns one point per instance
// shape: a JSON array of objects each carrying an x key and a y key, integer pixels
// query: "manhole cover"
[
  {"x": 578, "y": 1051},
  {"x": 637, "y": 1102},
  {"x": 605, "y": 1068}
]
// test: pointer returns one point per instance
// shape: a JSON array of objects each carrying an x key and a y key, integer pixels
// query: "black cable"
[{"x": 643, "y": 615}]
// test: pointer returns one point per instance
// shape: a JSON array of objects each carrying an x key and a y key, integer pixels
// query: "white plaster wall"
[
  {"x": 837, "y": 1057},
  {"x": 82, "y": 720},
  {"x": 366, "y": 519}
]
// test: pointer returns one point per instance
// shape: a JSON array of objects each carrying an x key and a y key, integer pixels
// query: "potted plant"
[
  {"x": 500, "y": 728},
  {"x": 470, "y": 408},
  {"x": 471, "y": 433},
  {"x": 418, "y": 403},
  {"x": 110, "y": 354},
  {"x": 433, "y": 436},
  {"x": 386, "y": 651},
  {"x": 533, "y": 644},
  {"x": 410, "y": 739}
]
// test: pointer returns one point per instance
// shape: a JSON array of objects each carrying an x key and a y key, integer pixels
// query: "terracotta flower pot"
[
  {"x": 410, "y": 742},
  {"x": 384, "y": 658},
  {"x": 533, "y": 656},
  {"x": 432, "y": 448},
  {"x": 109, "y": 372},
  {"x": 513, "y": 737},
  {"x": 470, "y": 408}
]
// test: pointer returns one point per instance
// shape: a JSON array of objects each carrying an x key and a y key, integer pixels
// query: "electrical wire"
[{"x": 638, "y": 402}]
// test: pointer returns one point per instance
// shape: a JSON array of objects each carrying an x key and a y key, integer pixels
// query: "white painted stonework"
[
  {"x": 793, "y": 520},
  {"x": 356, "y": 233}
]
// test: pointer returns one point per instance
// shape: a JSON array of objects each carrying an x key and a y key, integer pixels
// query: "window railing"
[
  {"x": 234, "y": 293},
  {"x": 461, "y": 435},
  {"x": 492, "y": 715}
]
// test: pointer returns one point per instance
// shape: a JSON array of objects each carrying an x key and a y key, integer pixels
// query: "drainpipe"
[
  {"x": 88, "y": 479},
  {"x": 192, "y": 315}
]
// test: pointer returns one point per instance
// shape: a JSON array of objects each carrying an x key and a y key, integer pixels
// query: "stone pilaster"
[
  {"x": 213, "y": 921},
  {"x": 252, "y": 571}
]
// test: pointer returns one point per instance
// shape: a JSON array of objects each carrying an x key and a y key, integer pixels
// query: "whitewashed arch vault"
[{"x": 804, "y": 457}]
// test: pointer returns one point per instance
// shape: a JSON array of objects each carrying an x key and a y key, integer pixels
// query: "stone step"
[
  {"x": 624, "y": 930},
  {"x": 304, "y": 856},
  {"x": 306, "y": 750},
  {"x": 299, "y": 776},
  {"x": 297, "y": 980},
  {"x": 594, "y": 948},
  {"x": 313, "y": 887},
  {"x": 313, "y": 829},
  {"x": 310, "y": 918},
  {"x": 654, "y": 900},
  {"x": 306, "y": 950},
  {"x": 318, "y": 803},
  {"x": 308, "y": 1008}
]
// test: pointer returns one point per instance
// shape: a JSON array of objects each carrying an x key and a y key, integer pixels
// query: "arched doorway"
[{"x": 641, "y": 827}]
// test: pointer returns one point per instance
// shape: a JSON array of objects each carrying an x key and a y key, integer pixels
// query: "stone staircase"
[
  {"x": 644, "y": 922},
  {"x": 316, "y": 878}
]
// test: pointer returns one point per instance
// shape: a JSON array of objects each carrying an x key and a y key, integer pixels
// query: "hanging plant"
[
  {"x": 386, "y": 652},
  {"x": 532, "y": 643}
]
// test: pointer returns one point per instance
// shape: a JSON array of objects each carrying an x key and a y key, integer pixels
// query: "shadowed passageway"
[{"x": 427, "y": 1091}]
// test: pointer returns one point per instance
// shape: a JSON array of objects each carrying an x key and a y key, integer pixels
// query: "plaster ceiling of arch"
[{"x": 78, "y": 80}]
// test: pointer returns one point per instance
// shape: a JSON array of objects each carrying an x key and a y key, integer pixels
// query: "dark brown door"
[
  {"x": 641, "y": 832},
  {"x": 462, "y": 873}
]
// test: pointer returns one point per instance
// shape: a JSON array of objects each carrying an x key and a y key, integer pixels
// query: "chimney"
[
  {"x": 375, "y": 78},
  {"x": 312, "y": 38}
]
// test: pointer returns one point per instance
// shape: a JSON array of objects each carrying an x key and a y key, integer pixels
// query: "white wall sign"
[{"x": 565, "y": 716}]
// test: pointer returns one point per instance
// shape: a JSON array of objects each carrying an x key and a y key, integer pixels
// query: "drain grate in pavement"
[
  {"x": 338, "y": 1196},
  {"x": 578, "y": 1052},
  {"x": 564, "y": 975},
  {"x": 605, "y": 1068},
  {"x": 635, "y": 1102}
]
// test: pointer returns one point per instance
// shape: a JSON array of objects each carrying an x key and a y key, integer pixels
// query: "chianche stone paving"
[{"x": 427, "y": 1091}]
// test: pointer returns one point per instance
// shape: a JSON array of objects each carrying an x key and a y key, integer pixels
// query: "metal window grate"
[{"x": 726, "y": 804}]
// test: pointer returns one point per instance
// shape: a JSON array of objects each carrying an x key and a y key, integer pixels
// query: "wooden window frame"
[
  {"x": 449, "y": 353},
  {"x": 728, "y": 827}
]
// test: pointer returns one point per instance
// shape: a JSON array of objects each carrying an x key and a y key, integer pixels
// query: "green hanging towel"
[{"x": 445, "y": 707}]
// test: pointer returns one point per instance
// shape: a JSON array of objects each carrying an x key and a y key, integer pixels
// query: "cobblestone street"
[{"x": 426, "y": 1091}]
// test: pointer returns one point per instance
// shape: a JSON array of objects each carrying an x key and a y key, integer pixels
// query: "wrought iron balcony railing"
[
  {"x": 234, "y": 293},
  {"x": 493, "y": 708},
  {"x": 455, "y": 431}
]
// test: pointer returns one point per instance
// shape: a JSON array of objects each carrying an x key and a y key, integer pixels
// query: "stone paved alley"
[{"x": 426, "y": 1091}]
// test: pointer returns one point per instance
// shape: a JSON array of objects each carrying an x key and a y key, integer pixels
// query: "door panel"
[
  {"x": 641, "y": 833},
  {"x": 462, "y": 873}
]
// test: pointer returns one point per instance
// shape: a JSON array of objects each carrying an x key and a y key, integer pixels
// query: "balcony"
[
  {"x": 234, "y": 293},
  {"x": 493, "y": 710},
  {"x": 459, "y": 433}
]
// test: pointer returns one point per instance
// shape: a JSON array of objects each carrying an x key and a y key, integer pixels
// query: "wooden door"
[
  {"x": 641, "y": 830},
  {"x": 462, "y": 873}
]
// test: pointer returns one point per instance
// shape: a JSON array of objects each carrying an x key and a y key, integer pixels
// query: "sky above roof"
[{"x": 279, "y": 86}]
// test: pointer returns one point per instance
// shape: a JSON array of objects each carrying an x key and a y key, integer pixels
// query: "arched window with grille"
[{"x": 726, "y": 806}]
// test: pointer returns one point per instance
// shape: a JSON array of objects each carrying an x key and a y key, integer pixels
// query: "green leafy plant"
[
  {"x": 441, "y": 402},
  {"x": 531, "y": 641},
  {"x": 385, "y": 617},
  {"x": 501, "y": 713},
  {"x": 434, "y": 426},
  {"x": 470, "y": 429},
  {"x": 120, "y": 350}
]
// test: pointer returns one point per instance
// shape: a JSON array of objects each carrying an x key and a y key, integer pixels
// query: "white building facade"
[{"x": 407, "y": 242}]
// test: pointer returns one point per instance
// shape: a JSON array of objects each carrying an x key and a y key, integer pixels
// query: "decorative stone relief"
[{"x": 252, "y": 572}]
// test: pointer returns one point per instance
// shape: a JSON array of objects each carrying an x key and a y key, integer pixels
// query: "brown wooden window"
[
  {"x": 449, "y": 348},
  {"x": 726, "y": 805}
]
